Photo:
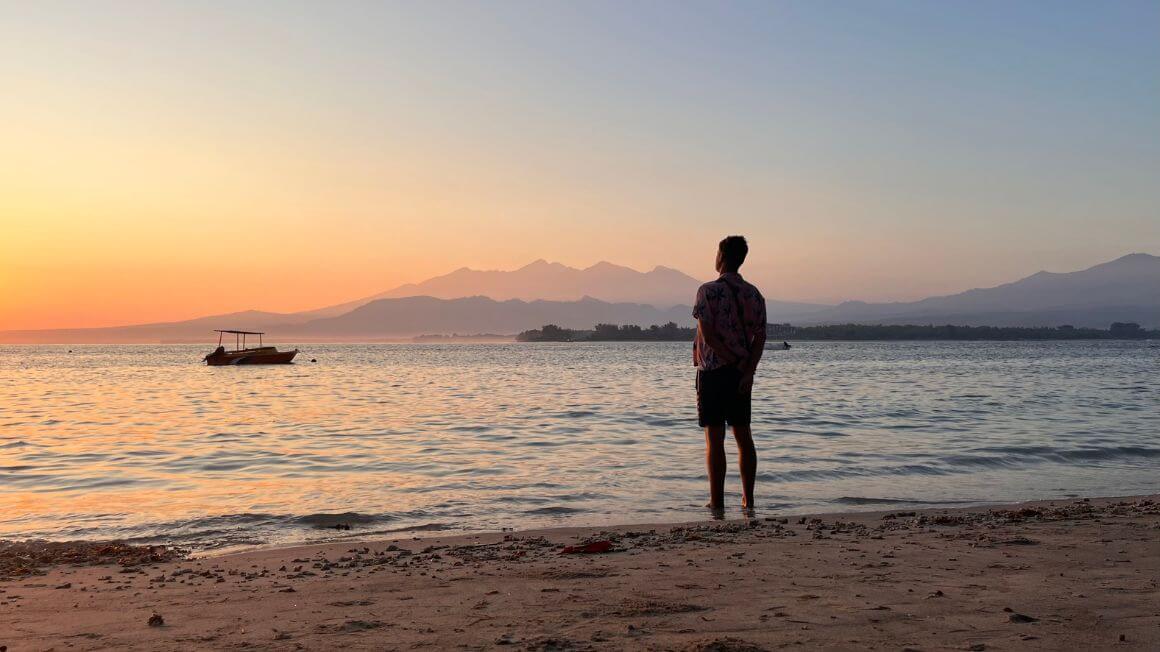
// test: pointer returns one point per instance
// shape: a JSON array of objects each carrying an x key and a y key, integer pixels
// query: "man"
[{"x": 730, "y": 338}]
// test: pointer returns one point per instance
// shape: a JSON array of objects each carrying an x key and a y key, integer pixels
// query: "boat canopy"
[{"x": 239, "y": 337}]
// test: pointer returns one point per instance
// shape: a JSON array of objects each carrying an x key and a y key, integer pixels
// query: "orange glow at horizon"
[{"x": 167, "y": 161}]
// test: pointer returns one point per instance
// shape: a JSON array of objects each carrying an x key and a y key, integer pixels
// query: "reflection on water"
[{"x": 144, "y": 441}]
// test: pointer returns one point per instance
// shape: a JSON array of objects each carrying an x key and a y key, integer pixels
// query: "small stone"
[{"x": 156, "y": 620}]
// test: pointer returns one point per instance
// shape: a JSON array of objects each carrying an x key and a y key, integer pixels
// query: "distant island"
[
  {"x": 886, "y": 332},
  {"x": 671, "y": 332}
]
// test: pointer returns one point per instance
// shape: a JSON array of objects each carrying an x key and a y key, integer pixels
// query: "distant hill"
[
  {"x": 379, "y": 319},
  {"x": 662, "y": 287},
  {"x": 192, "y": 330},
  {"x": 416, "y": 315},
  {"x": 1125, "y": 289}
]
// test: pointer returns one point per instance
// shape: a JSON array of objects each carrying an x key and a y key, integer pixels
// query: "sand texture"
[{"x": 1078, "y": 575}]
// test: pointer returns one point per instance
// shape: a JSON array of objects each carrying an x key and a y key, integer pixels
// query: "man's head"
[{"x": 731, "y": 253}]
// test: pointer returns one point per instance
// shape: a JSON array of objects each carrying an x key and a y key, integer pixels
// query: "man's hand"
[{"x": 746, "y": 384}]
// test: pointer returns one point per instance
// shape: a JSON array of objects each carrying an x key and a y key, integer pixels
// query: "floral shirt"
[{"x": 715, "y": 305}]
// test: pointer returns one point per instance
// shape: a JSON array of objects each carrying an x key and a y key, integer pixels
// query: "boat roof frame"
[{"x": 239, "y": 337}]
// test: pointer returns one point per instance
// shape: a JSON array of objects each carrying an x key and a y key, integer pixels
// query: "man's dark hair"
[{"x": 733, "y": 250}]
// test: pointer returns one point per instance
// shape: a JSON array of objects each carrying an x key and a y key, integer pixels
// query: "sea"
[{"x": 149, "y": 445}]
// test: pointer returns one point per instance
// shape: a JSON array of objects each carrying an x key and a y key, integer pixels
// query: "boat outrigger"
[{"x": 242, "y": 355}]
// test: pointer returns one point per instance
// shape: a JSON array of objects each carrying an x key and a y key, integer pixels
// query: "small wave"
[
  {"x": 323, "y": 520},
  {"x": 553, "y": 511},
  {"x": 1013, "y": 457},
  {"x": 469, "y": 428},
  {"x": 813, "y": 475},
  {"x": 423, "y": 527},
  {"x": 864, "y": 500}
]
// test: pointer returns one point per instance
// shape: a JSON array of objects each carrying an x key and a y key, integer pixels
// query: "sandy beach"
[{"x": 1078, "y": 574}]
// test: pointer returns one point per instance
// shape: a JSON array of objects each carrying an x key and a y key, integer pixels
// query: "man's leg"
[
  {"x": 747, "y": 461},
  {"x": 715, "y": 462}
]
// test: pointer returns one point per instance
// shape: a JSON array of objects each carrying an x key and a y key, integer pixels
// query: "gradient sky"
[{"x": 164, "y": 161}]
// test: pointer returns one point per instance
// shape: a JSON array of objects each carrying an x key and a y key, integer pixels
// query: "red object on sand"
[{"x": 588, "y": 548}]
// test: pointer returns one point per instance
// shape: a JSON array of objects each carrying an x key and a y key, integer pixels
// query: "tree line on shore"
[{"x": 671, "y": 332}]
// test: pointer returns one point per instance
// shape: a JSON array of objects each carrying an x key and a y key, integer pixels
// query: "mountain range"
[
  {"x": 1125, "y": 289},
  {"x": 662, "y": 287},
  {"x": 473, "y": 301}
]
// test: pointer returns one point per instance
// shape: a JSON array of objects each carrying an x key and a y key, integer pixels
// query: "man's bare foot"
[{"x": 718, "y": 511}]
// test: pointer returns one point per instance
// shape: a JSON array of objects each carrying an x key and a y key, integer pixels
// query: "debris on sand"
[
  {"x": 27, "y": 558},
  {"x": 595, "y": 547},
  {"x": 727, "y": 644},
  {"x": 156, "y": 620}
]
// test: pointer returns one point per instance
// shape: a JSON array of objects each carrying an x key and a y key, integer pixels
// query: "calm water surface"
[{"x": 144, "y": 442}]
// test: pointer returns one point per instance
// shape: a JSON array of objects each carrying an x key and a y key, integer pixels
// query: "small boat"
[{"x": 243, "y": 355}]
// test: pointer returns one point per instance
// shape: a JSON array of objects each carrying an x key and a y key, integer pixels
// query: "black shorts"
[{"x": 718, "y": 401}]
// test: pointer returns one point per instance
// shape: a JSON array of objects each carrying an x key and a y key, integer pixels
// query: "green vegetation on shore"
[
  {"x": 671, "y": 332},
  {"x": 881, "y": 332}
]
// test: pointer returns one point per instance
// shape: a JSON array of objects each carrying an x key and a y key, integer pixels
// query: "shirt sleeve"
[{"x": 699, "y": 305}]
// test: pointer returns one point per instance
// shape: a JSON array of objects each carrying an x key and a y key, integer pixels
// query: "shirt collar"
[{"x": 730, "y": 276}]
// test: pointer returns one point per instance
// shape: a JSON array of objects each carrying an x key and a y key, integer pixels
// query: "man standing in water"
[{"x": 730, "y": 338}]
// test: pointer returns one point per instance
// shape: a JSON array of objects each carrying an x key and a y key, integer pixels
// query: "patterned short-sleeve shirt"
[{"x": 717, "y": 304}]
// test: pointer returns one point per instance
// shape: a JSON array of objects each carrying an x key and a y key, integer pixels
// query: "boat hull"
[{"x": 231, "y": 358}]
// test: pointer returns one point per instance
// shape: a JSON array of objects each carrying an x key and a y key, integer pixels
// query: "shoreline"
[
  {"x": 1075, "y": 572},
  {"x": 342, "y": 534}
]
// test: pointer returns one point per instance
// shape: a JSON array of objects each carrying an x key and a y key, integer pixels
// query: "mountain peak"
[
  {"x": 1136, "y": 258},
  {"x": 605, "y": 267},
  {"x": 541, "y": 279}
]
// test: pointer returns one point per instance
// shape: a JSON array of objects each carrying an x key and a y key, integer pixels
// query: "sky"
[{"x": 163, "y": 161}]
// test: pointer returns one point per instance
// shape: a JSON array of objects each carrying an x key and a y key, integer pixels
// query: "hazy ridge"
[{"x": 1125, "y": 289}]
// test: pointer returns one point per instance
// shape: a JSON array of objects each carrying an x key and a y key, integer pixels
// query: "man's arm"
[
  {"x": 715, "y": 342},
  {"x": 750, "y": 366},
  {"x": 756, "y": 348}
]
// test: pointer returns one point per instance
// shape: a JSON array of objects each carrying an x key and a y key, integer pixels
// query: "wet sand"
[{"x": 1052, "y": 575}]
